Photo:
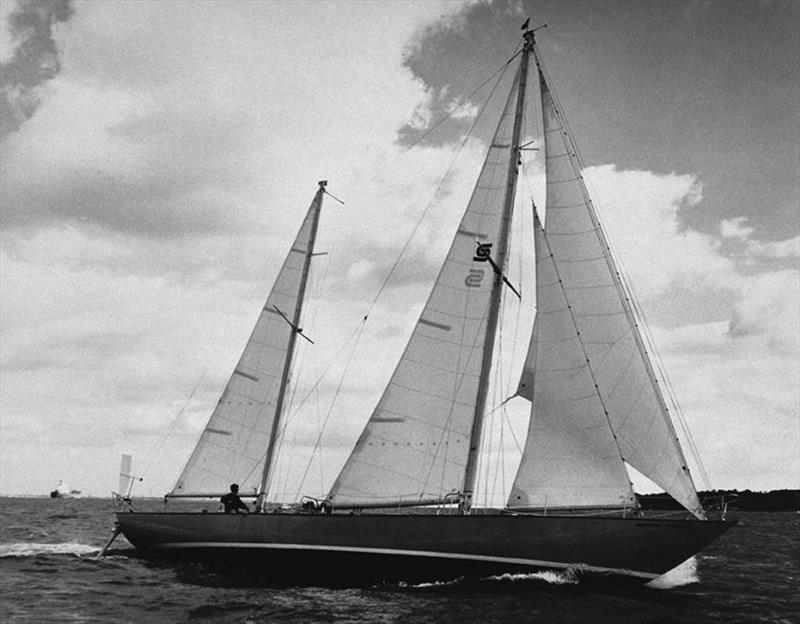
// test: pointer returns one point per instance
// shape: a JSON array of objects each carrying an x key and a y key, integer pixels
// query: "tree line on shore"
[{"x": 742, "y": 500}]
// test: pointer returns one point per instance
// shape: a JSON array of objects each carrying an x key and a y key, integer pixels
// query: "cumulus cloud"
[
  {"x": 775, "y": 249},
  {"x": 150, "y": 135},
  {"x": 737, "y": 231},
  {"x": 735, "y": 228},
  {"x": 149, "y": 202},
  {"x": 462, "y": 39},
  {"x": 29, "y": 57}
]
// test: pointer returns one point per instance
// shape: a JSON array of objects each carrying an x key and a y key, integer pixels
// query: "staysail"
[
  {"x": 414, "y": 447},
  {"x": 571, "y": 459},
  {"x": 601, "y": 376},
  {"x": 234, "y": 445}
]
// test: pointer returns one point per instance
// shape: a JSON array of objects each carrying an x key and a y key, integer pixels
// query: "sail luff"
[
  {"x": 473, "y": 455},
  {"x": 287, "y": 366}
]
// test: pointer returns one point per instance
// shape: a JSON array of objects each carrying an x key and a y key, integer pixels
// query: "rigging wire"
[
  {"x": 463, "y": 100},
  {"x": 442, "y": 180},
  {"x": 357, "y": 334},
  {"x": 501, "y": 71},
  {"x": 158, "y": 444},
  {"x": 670, "y": 389},
  {"x": 318, "y": 280}
]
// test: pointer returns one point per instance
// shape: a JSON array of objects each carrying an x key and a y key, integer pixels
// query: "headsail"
[
  {"x": 602, "y": 365},
  {"x": 571, "y": 458},
  {"x": 233, "y": 446},
  {"x": 414, "y": 447}
]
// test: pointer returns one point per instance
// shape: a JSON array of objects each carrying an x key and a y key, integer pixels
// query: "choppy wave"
[
  {"x": 28, "y": 549},
  {"x": 684, "y": 574}
]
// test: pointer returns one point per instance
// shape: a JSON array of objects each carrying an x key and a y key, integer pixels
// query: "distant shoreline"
[{"x": 741, "y": 500}]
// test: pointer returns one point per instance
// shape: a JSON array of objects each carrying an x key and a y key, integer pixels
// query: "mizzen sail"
[{"x": 233, "y": 446}]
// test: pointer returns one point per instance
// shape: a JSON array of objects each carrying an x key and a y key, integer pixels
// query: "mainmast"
[
  {"x": 287, "y": 365},
  {"x": 471, "y": 472}
]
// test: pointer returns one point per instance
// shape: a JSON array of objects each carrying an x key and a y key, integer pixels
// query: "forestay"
[
  {"x": 602, "y": 374},
  {"x": 232, "y": 448},
  {"x": 414, "y": 447}
]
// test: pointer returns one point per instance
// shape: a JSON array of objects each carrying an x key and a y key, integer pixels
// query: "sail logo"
[{"x": 475, "y": 276}]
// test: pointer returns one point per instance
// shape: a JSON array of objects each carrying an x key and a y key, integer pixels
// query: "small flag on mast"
[{"x": 525, "y": 25}]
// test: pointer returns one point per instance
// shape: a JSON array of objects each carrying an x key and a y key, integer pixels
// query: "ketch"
[{"x": 403, "y": 507}]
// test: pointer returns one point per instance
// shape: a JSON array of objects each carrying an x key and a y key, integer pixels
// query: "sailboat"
[{"x": 403, "y": 507}]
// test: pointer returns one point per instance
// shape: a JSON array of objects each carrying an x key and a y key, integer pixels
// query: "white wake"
[
  {"x": 566, "y": 577},
  {"x": 29, "y": 549}
]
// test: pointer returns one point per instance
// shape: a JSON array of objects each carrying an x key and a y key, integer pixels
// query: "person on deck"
[{"x": 231, "y": 501}]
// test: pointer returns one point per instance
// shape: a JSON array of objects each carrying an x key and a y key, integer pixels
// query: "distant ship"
[{"x": 63, "y": 491}]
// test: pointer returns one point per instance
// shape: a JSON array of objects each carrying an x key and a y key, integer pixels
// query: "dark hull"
[{"x": 345, "y": 549}]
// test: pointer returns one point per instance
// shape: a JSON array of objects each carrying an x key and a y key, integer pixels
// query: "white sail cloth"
[
  {"x": 126, "y": 477},
  {"x": 588, "y": 370},
  {"x": 232, "y": 448},
  {"x": 414, "y": 447},
  {"x": 570, "y": 458}
]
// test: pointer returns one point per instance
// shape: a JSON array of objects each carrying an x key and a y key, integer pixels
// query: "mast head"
[
  {"x": 323, "y": 183},
  {"x": 529, "y": 33}
]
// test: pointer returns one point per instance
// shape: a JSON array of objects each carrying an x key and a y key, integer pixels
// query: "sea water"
[{"x": 48, "y": 573}]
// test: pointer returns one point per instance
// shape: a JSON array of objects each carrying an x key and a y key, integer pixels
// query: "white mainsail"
[
  {"x": 601, "y": 376},
  {"x": 233, "y": 446},
  {"x": 414, "y": 447}
]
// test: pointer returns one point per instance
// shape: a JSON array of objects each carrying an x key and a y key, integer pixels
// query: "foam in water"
[
  {"x": 567, "y": 577},
  {"x": 430, "y": 584},
  {"x": 28, "y": 549},
  {"x": 684, "y": 574}
]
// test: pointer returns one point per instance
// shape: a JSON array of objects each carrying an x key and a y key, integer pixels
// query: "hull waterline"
[{"x": 347, "y": 549}]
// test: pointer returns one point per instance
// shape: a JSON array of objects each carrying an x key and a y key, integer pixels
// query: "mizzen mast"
[{"x": 287, "y": 365}]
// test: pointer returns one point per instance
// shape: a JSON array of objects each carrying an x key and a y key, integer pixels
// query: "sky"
[{"x": 156, "y": 160}]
